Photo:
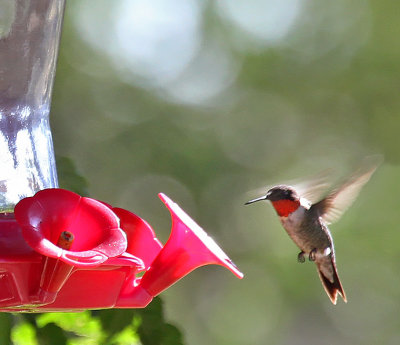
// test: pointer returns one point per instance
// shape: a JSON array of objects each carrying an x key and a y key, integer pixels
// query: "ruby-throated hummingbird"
[{"x": 306, "y": 222}]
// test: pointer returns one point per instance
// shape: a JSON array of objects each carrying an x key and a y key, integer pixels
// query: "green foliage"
[
  {"x": 69, "y": 178},
  {"x": 153, "y": 330},
  {"x": 28, "y": 331},
  {"x": 149, "y": 325},
  {"x": 107, "y": 327},
  {"x": 51, "y": 334},
  {"x": 23, "y": 333},
  {"x": 113, "y": 322},
  {"x": 5, "y": 328}
]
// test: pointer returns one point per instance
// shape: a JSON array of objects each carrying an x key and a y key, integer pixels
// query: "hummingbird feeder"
[{"x": 60, "y": 251}]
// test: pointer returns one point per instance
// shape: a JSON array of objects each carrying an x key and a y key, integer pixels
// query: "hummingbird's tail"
[{"x": 329, "y": 277}]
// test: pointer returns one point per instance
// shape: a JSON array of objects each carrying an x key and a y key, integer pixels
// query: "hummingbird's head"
[
  {"x": 282, "y": 192},
  {"x": 284, "y": 199}
]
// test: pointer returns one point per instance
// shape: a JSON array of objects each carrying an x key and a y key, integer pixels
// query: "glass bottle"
[{"x": 29, "y": 38}]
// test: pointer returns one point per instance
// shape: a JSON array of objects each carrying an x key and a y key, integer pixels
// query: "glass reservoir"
[{"x": 29, "y": 39}]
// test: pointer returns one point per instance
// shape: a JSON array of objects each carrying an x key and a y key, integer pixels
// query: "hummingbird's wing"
[
  {"x": 336, "y": 203},
  {"x": 313, "y": 188}
]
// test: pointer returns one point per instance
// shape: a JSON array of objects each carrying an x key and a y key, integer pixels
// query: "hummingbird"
[{"x": 306, "y": 221}]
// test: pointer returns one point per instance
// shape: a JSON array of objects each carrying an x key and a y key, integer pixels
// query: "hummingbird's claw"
[
  {"x": 311, "y": 256},
  {"x": 301, "y": 258}
]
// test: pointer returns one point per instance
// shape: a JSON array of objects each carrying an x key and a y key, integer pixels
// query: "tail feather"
[{"x": 332, "y": 286}]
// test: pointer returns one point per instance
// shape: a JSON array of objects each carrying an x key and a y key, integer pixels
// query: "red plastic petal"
[{"x": 142, "y": 241}]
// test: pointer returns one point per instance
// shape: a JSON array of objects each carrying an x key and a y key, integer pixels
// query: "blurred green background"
[{"x": 208, "y": 101}]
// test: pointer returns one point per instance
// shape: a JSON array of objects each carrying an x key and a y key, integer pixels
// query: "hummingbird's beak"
[{"x": 265, "y": 197}]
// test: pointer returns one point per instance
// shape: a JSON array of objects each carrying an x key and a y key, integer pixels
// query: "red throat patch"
[{"x": 285, "y": 207}]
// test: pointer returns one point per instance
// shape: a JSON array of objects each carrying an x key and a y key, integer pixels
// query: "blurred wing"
[
  {"x": 336, "y": 203},
  {"x": 313, "y": 188}
]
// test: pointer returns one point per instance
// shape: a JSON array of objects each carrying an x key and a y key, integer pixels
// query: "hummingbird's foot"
[
  {"x": 311, "y": 256},
  {"x": 301, "y": 258}
]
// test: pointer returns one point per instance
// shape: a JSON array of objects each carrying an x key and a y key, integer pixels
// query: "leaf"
[
  {"x": 5, "y": 328},
  {"x": 51, "y": 334},
  {"x": 23, "y": 333},
  {"x": 150, "y": 329},
  {"x": 69, "y": 178},
  {"x": 153, "y": 330},
  {"x": 171, "y": 335},
  {"x": 114, "y": 321}
]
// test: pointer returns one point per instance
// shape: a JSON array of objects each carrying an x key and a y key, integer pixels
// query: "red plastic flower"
[{"x": 96, "y": 231}]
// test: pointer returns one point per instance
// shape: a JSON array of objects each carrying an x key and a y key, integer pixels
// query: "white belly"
[
  {"x": 293, "y": 222},
  {"x": 306, "y": 235}
]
